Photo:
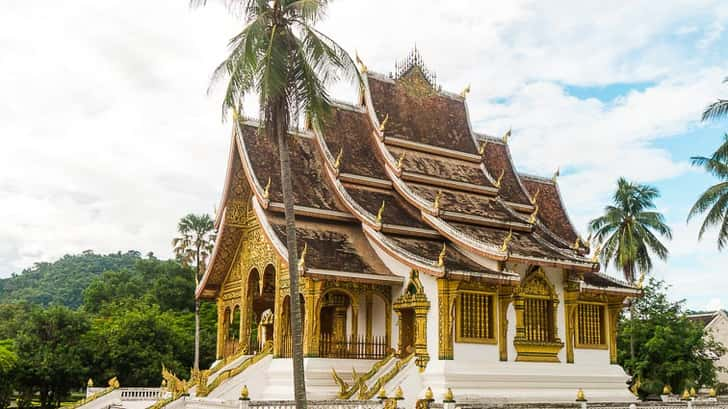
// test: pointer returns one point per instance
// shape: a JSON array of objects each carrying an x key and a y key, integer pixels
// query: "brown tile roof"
[
  {"x": 351, "y": 131},
  {"x": 603, "y": 280},
  {"x": 497, "y": 159},
  {"x": 551, "y": 209},
  {"x": 703, "y": 318},
  {"x": 309, "y": 186},
  {"x": 467, "y": 203},
  {"x": 396, "y": 210},
  {"x": 421, "y": 115},
  {"x": 440, "y": 167}
]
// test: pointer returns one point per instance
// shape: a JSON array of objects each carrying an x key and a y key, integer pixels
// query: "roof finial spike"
[
  {"x": 595, "y": 256},
  {"x": 507, "y": 241},
  {"x": 441, "y": 257},
  {"x": 532, "y": 220},
  {"x": 557, "y": 173},
  {"x": 438, "y": 196},
  {"x": 266, "y": 191},
  {"x": 577, "y": 243},
  {"x": 507, "y": 135},
  {"x": 400, "y": 161},
  {"x": 362, "y": 67},
  {"x": 465, "y": 91},
  {"x": 481, "y": 148},
  {"x": 380, "y": 213},
  {"x": 383, "y": 125},
  {"x": 302, "y": 257},
  {"x": 535, "y": 196},
  {"x": 500, "y": 178},
  {"x": 337, "y": 163}
]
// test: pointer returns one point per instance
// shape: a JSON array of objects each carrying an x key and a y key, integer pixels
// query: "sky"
[{"x": 109, "y": 134}]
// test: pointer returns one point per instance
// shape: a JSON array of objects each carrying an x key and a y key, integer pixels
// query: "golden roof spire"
[
  {"x": 266, "y": 190},
  {"x": 507, "y": 240},
  {"x": 383, "y": 125},
  {"x": 441, "y": 257},
  {"x": 337, "y": 163},
  {"x": 380, "y": 213},
  {"x": 535, "y": 196},
  {"x": 465, "y": 91},
  {"x": 532, "y": 220},
  {"x": 302, "y": 257},
  {"x": 500, "y": 178},
  {"x": 481, "y": 148}
]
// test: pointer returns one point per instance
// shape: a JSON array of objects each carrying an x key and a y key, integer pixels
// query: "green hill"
[{"x": 62, "y": 282}]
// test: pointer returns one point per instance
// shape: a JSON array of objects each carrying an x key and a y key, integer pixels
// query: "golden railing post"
[
  {"x": 220, "y": 329},
  {"x": 571, "y": 310},
  {"x": 368, "y": 306}
]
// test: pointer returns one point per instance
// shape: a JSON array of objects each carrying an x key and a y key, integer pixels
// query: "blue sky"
[{"x": 109, "y": 135}]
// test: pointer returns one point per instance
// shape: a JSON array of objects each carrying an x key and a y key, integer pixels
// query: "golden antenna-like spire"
[
  {"x": 507, "y": 135},
  {"x": 500, "y": 178},
  {"x": 507, "y": 240},
  {"x": 380, "y": 213},
  {"x": 337, "y": 162},
  {"x": 535, "y": 196},
  {"x": 438, "y": 196},
  {"x": 302, "y": 257},
  {"x": 532, "y": 220},
  {"x": 441, "y": 257},
  {"x": 383, "y": 125},
  {"x": 400, "y": 161},
  {"x": 266, "y": 191},
  {"x": 362, "y": 67},
  {"x": 556, "y": 174},
  {"x": 465, "y": 91},
  {"x": 481, "y": 148}
]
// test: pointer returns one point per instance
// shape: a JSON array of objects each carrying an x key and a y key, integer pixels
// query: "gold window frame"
[
  {"x": 602, "y": 327},
  {"x": 491, "y": 317}
]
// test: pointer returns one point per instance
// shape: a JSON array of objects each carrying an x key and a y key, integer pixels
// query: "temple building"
[{"x": 426, "y": 259}]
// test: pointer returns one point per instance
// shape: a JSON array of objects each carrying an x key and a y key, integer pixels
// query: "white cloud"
[{"x": 714, "y": 304}]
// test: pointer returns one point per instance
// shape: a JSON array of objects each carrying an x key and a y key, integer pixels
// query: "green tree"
[
  {"x": 8, "y": 362},
  {"x": 669, "y": 349},
  {"x": 282, "y": 58},
  {"x": 715, "y": 199},
  {"x": 193, "y": 246},
  {"x": 629, "y": 229},
  {"x": 52, "y": 354}
]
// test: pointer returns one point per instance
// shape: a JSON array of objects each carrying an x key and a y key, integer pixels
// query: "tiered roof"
[{"x": 403, "y": 172}]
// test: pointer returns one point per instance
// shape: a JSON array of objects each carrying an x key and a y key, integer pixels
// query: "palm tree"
[
  {"x": 194, "y": 246},
  {"x": 280, "y": 56},
  {"x": 716, "y": 197},
  {"x": 627, "y": 230}
]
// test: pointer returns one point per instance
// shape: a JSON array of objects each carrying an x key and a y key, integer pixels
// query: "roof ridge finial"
[
  {"x": 380, "y": 213},
  {"x": 400, "y": 161},
  {"x": 557, "y": 173},
  {"x": 500, "y": 178},
  {"x": 441, "y": 257},
  {"x": 535, "y": 196},
  {"x": 507, "y": 241},
  {"x": 266, "y": 191},
  {"x": 362, "y": 66},
  {"x": 532, "y": 220},
  {"x": 507, "y": 135},
  {"x": 481, "y": 148},
  {"x": 302, "y": 257},
  {"x": 337, "y": 162},
  {"x": 438, "y": 196}
]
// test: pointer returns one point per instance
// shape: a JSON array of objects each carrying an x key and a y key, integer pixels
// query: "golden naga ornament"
[
  {"x": 577, "y": 244},
  {"x": 266, "y": 191},
  {"x": 438, "y": 196},
  {"x": 535, "y": 196},
  {"x": 362, "y": 67},
  {"x": 465, "y": 91},
  {"x": 400, "y": 161},
  {"x": 532, "y": 219},
  {"x": 481, "y": 148},
  {"x": 302, "y": 258},
  {"x": 383, "y": 125},
  {"x": 507, "y": 136},
  {"x": 441, "y": 257},
  {"x": 337, "y": 162}
]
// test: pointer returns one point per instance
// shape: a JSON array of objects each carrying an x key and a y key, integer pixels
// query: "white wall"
[{"x": 719, "y": 329}]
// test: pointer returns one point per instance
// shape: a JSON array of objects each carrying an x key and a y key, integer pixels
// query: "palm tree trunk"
[
  {"x": 196, "y": 365},
  {"x": 280, "y": 119}
]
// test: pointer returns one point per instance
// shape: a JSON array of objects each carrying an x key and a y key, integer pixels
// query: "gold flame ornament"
[
  {"x": 500, "y": 178},
  {"x": 507, "y": 135},
  {"x": 712, "y": 393},
  {"x": 595, "y": 256},
  {"x": 532, "y": 219},
  {"x": 382, "y": 394},
  {"x": 441, "y": 257},
  {"x": 535, "y": 196},
  {"x": 557, "y": 173},
  {"x": 380, "y": 213},
  {"x": 465, "y": 91},
  {"x": 507, "y": 240},
  {"x": 481, "y": 148},
  {"x": 438, "y": 196},
  {"x": 337, "y": 162},
  {"x": 362, "y": 67},
  {"x": 302, "y": 258},
  {"x": 400, "y": 161},
  {"x": 383, "y": 125},
  {"x": 577, "y": 244},
  {"x": 266, "y": 191}
]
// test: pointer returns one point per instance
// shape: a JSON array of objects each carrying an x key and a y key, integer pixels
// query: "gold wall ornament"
[
  {"x": 465, "y": 91},
  {"x": 532, "y": 219},
  {"x": 436, "y": 203},
  {"x": 412, "y": 307},
  {"x": 500, "y": 178},
  {"x": 507, "y": 135},
  {"x": 481, "y": 148},
  {"x": 337, "y": 162},
  {"x": 535, "y": 196},
  {"x": 507, "y": 241},
  {"x": 266, "y": 191},
  {"x": 383, "y": 125},
  {"x": 536, "y": 303},
  {"x": 400, "y": 161},
  {"x": 446, "y": 295},
  {"x": 441, "y": 257},
  {"x": 380, "y": 213}
]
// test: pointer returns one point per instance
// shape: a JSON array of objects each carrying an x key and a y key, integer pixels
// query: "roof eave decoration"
[
  {"x": 260, "y": 193},
  {"x": 405, "y": 257}
]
